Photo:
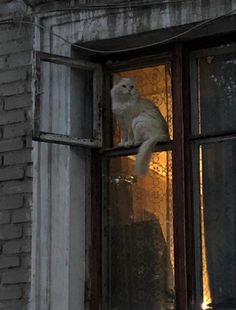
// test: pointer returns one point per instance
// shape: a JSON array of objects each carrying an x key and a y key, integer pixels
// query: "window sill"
[{"x": 123, "y": 151}]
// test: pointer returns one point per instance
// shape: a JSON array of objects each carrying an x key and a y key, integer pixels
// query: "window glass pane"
[
  {"x": 140, "y": 239},
  {"x": 81, "y": 103},
  {"x": 218, "y": 224},
  {"x": 154, "y": 84},
  {"x": 214, "y": 96},
  {"x": 66, "y": 100}
]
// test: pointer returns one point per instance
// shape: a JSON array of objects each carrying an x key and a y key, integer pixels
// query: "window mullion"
[
  {"x": 125, "y": 151},
  {"x": 179, "y": 182}
]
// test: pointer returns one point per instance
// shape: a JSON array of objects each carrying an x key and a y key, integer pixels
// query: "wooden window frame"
[
  {"x": 187, "y": 292},
  {"x": 182, "y": 161},
  {"x": 96, "y": 68},
  {"x": 198, "y": 139},
  {"x": 100, "y": 158}
]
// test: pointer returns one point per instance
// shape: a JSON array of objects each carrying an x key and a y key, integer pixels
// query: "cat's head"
[{"x": 124, "y": 88}]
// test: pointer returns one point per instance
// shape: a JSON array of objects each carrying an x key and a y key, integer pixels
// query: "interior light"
[{"x": 204, "y": 306}]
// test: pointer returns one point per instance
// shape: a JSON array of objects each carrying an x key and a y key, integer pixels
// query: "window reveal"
[{"x": 141, "y": 247}]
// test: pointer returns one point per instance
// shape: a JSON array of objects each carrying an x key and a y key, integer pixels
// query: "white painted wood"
[
  {"x": 82, "y": 81},
  {"x": 58, "y": 269},
  {"x": 40, "y": 218},
  {"x": 59, "y": 203},
  {"x": 79, "y": 164},
  {"x": 60, "y": 186}
]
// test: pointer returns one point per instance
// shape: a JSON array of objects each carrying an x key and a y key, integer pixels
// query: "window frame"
[
  {"x": 184, "y": 234},
  {"x": 96, "y": 68},
  {"x": 198, "y": 140},
  {"x": 100, "y": 162},
  {"x": 192, "y": 142},
  {"x": 110, "y": 152},
  {"x": 187, "y": 296}
]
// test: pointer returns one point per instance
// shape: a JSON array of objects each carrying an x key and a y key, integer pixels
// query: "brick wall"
[{"x": 15, "y": 164}]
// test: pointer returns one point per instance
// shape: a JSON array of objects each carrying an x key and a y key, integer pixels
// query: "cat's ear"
[{"x": 116, "y": 79}]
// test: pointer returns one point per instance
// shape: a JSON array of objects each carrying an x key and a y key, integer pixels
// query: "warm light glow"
[
  {"x": 154, "y": 83},
  {"x": 206, "y": 288},
  {"x": 204, "y": 306},
  {"x": 158, "y": 164}
]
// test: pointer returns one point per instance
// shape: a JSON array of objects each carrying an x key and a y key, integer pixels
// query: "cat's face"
[{"x": 124, "y": 88}]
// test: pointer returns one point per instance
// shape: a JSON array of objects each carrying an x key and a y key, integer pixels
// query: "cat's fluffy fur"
[{"x": 139, "y": 120}]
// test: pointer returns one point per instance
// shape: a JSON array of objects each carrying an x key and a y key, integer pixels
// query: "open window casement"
[{"x": 68, "y": 99}]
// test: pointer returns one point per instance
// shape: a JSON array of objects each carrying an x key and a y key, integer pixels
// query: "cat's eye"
[{"x": 124, "y": 86}]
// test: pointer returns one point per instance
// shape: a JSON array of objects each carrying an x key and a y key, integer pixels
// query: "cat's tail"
[{"x": 144, "y": 155}]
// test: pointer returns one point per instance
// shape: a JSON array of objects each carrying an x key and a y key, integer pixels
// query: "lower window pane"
[
  {"x": 140, "y": 238},
  {"x": 218, "y": 225}
]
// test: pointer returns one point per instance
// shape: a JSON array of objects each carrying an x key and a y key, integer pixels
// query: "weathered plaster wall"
[
  {"x": 88, "y": 25},
  {"x": 15, "y": 160}
]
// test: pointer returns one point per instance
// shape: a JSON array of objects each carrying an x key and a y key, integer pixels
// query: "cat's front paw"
[
  {"x": 129, "y": 143},
  {"x": 121, "y": 144}
]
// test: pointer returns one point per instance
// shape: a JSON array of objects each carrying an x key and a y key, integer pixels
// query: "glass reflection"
[
  {"x": 218, "y": 224},
  {"x": 214, "y": 99},
  {"x": 141, "y": 246}
]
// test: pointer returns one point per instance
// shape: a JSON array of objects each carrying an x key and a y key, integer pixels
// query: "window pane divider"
[
  {"x": 124, "y": 151},
  {"x": 205, "y": 139},
  {"x": 215, "y": 51}
]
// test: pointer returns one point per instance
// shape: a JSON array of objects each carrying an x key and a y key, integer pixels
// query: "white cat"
[{"x": 139, "y": 120}]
